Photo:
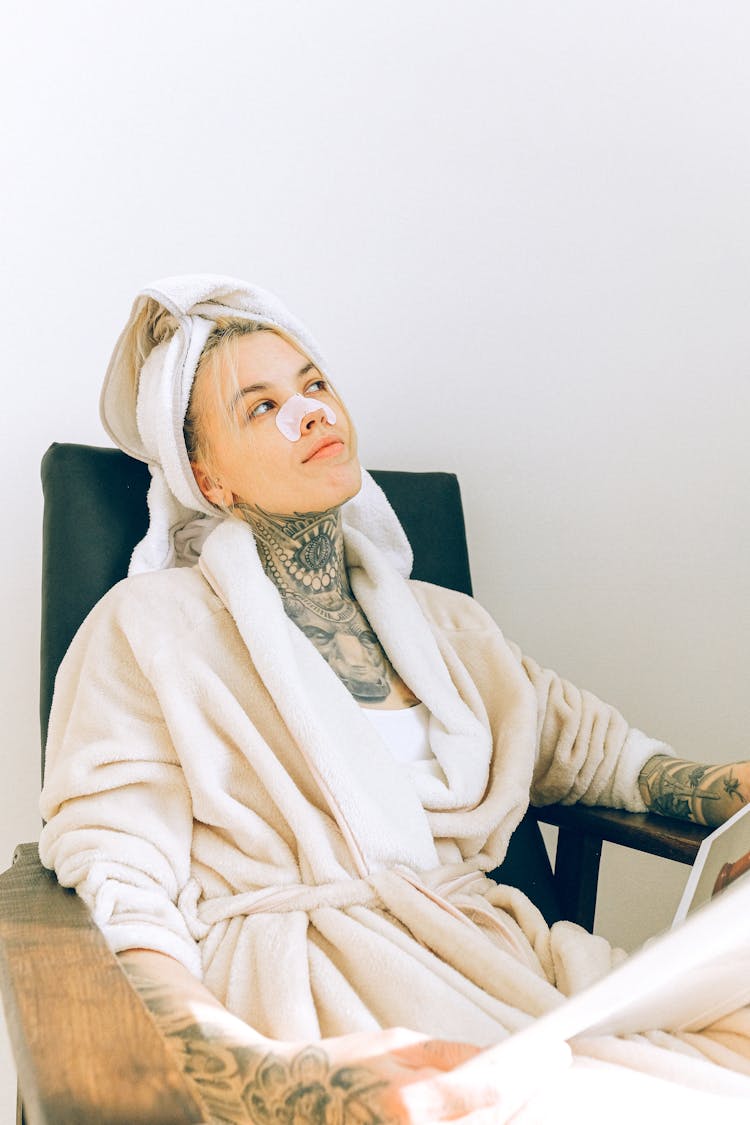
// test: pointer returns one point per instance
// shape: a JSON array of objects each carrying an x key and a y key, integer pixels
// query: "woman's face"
[{"x": 252, "y": 462}]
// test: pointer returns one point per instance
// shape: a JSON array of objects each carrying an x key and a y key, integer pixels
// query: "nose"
[
  {"x": 299, "y": 414},
  {"x": 310, "y": 419}
]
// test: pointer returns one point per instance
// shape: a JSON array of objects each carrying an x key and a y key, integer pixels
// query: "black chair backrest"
[{"x": 95, "y": 512}]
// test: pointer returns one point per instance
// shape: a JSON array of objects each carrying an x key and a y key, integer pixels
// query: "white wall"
[{"x": 521, "y": 233}]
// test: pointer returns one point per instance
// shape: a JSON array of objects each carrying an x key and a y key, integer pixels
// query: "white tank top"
[{"x": 406, "y": 734}]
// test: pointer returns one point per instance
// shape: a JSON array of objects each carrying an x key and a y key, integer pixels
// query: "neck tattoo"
[{"x": 303, "y": 555}]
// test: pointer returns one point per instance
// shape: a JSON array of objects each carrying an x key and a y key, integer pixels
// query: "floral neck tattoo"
[{"x": 303, "y": 554}]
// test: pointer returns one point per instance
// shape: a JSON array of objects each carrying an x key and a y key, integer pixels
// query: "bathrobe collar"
[{"x": 380, "y": 805}]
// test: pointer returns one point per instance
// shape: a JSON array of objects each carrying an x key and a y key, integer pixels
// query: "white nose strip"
[{"x": 289, "y": 418}]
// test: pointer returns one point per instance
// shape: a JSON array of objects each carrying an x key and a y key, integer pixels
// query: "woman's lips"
[{"x": 328, "y": 449}]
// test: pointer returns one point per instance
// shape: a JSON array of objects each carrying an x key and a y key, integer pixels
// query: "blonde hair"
[
  {"x": 221, "y": 344},
  {"x": 154, "y": 325}
]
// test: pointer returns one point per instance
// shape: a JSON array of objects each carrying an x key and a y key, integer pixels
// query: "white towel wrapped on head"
[{"x": 145, "y": 397}]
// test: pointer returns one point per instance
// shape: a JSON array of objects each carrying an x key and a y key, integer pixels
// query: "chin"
[
  {"x": 345, "y": 484},
  {"x": 356, "y": 482}
]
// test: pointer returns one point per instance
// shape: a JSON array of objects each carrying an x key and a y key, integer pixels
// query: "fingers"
[
  {"x": 405, "y": 1049},
  {"x": 435, "y": 1054},
  {"x": 491, "y": 1086}
]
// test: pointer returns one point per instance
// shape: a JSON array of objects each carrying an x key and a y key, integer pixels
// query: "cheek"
[
  {"x": 257, "y": 467},
  {"x": 343, "y": 415},
  {"x": 346, "y": 416}
]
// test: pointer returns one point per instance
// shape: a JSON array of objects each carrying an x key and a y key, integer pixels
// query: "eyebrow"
[{"x": 255, "y": 387}]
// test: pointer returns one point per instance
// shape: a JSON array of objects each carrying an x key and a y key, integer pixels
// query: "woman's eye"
[
  {"x": 317, "y": 386},
  {"x": 261, "y": 408}
]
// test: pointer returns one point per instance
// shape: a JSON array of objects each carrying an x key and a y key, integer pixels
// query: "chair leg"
[{"x": 577, "y": 875}]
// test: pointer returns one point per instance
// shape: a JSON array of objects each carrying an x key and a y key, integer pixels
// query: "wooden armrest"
[
  {"x": 659, "y": 835},
  {"x": 85, "y": 1046},
  {"x": 582, "y": 829}
]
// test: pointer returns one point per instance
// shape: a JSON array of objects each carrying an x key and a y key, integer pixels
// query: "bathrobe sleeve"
[
  {"x": 586, "y": 751},
  {"x": 118, "y": 810},
  {"x": 582, "y": 748}
]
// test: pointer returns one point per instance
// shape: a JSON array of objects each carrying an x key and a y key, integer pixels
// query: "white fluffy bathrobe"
[{"x": 217, "y": 794}]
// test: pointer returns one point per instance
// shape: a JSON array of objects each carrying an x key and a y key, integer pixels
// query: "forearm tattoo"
[
  {"x": 304, "y": 556},
  {"x": 692, "y": 791},
  {"x": 244, "y": 1084}
]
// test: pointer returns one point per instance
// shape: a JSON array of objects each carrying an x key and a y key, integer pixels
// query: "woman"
[{"x": 277, "y": 765}]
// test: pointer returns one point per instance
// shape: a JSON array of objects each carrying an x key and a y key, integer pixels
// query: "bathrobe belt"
[{"x": 448, "y": 888}]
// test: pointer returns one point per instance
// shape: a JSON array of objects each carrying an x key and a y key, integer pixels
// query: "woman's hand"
[
  {"x": 351, "y": 1080},
  {"x": 244, "y": 1078},
  {"x": 694, "y": 791},
  {"x": 247, "y": 1080}
]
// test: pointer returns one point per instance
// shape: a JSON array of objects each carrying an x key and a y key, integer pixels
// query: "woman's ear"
[{"x": 214, "y": 491}]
